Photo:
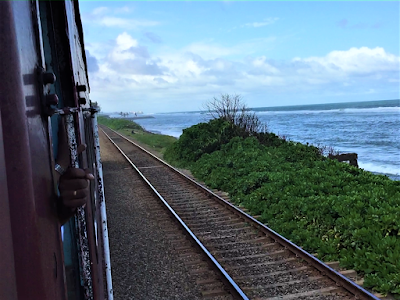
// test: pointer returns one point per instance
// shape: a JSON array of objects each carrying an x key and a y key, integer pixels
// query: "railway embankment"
[
  {"x": 340, "y": 212},
  {"x": 151, "y": 141}
]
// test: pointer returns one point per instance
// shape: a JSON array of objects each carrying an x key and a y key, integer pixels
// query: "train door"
[
  {"x": 34, "y": 232},
  {"x": 82, "y": 238},
  {"x": 40, "y": 39}
]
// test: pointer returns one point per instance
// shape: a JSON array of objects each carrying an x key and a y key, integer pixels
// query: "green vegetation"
[
  {"x": 157, "y": 142},
  {"x": 209, "y": 137},
  {"x": 197, "y": 140},
  {"x": 134, "y": 131},
  {"x": 330, "y": 208},
  {"x": 118, "y": 124}
]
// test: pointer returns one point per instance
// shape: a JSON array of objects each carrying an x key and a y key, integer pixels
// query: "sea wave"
[
  {"x": 175, "y": 132},
  {"x": 342, "y": 110},
  {"x": 271, "y": 111},
  {"x": 384, "y": 169}
]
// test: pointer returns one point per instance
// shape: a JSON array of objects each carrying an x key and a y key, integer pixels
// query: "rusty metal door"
[{"x": 35, "y": 232}]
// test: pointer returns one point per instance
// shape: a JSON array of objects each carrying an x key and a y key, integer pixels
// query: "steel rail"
[
  {"x": 237, "y": 293},
  {"x": 341, "y": 280}
]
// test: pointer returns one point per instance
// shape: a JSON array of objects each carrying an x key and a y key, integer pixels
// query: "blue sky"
[{"x": 161, "y": 56}]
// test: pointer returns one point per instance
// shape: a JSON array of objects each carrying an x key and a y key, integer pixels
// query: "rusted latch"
[
  {"x": 70, "y": 110},
  {"x": 50, "y": 101}
]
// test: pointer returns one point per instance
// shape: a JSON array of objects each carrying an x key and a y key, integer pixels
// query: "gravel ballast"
[{"x": 144, "y": 263}]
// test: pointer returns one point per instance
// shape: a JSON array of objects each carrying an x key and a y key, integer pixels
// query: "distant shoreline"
[
  {"x": 128, "y": 118},
  {"x": 139, "y": 117}
]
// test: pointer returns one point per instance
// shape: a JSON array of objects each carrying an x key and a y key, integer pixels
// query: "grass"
[
  {"x": 155, "y": 141},
  {"x": 134, "y": 131},
  {"x": 118, "y": 124}
]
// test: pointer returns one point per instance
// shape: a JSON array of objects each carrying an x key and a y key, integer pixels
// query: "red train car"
[{"x": 43, "y": 79}]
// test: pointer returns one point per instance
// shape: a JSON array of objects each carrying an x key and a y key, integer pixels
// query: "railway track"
[{"x": 253, "y": 261}]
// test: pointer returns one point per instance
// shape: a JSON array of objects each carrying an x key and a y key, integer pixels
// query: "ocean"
[{"x": 370, "y": 129}]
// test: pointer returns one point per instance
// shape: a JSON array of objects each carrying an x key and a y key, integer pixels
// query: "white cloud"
[
  {"x": 126, "y": 23},
  {"x": 209, "y": 49},
  {"x": 108, "y": 17},
  {"x": 212, "y": 50},
  {"x": 103, "y": 10},
  {"x": 100, "y": 10},
  {"x": 266, "y": 22},
  {"x": 134, "y": 76},
  {"x": 262, "y": 64},
  {"x": 124, "y": 9},
  {"x": 129, "y": 60},
  {"x": 125, "y": 41},
  {"x": 354, "y": 61}
]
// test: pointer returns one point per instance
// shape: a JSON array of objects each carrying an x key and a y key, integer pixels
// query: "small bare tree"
[
  {"x": 232, "y": 109},
  {"x": 326, "y": 150}
]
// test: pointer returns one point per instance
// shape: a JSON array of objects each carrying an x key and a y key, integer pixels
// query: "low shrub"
[{"x": 200, "y": 139}]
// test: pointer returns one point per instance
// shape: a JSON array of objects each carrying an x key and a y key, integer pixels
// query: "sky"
[{"x": 172, "y": 56}]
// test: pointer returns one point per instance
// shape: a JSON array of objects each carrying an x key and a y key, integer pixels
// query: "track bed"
[{"x": 151, "y": 257}]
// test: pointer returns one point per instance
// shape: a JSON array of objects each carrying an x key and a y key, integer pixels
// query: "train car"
[{"x": 44, "y": 88}]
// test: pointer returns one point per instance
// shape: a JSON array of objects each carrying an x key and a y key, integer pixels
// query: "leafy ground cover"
[
  {"x": 118, "y": 124},
  {"x": 330, "y": 208},
  {"x": 157, "y": 142}
]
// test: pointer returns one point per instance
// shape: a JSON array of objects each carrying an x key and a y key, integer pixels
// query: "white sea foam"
[
  {"x": 385, "y": 169},
  {"x": 175, "y": 132},
  {"x": 342, "y": 110},
  {"x": 373, "y": 110}
]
